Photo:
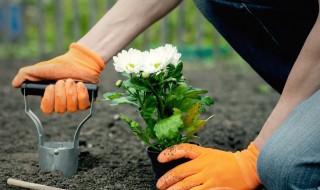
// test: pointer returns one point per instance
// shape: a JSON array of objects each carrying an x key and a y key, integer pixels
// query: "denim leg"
[
  {"x": 290, "y": 159},
  {"x": 268, "y": 34}
]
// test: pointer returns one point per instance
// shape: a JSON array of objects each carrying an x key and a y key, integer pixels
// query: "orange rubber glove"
[
  {"x": 65, "y": 95},
  {"x": 210, "y": 169},
  {"x": 79, "y": 64}
]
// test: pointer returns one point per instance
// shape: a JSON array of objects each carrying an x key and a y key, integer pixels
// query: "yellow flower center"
[
  {"x": 131, "y": 65},
  {"x": 156, "y": 65}
]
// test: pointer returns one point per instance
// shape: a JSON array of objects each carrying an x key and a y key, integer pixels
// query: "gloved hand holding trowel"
[{"x": 79, "y": 64}]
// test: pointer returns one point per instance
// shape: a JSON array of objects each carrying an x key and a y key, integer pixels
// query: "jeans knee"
[
  {"x": 290, "y": 159},
  {"x": 271, "y": 168},
  {"x": 279, "y": 168}
]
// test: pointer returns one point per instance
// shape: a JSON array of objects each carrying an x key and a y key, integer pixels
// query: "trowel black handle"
[{"x": 38, "y": 88}]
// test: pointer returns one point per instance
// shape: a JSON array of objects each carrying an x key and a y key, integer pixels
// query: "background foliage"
[{"x": 46, "y": 27}]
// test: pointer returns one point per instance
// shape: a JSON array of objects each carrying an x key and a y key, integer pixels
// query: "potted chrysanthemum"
[{"x": 154, "y": 84}]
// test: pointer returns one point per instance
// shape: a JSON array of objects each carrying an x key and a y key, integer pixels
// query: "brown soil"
[{"x": 111, "y": 157}]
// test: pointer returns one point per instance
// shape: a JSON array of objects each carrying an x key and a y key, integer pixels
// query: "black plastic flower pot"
[{"x": 159, "y": 169}]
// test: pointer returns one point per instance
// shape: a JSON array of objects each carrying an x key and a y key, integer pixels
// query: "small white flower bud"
[
  {"x": 145, "y": 75},
  {"x": 118, "y": 83},
  {"x": 165, "y": 71},
  {"x": 137, "y": 75}
]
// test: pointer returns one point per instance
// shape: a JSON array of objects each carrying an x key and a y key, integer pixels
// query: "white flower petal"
[
  {"x": 153, "y": 61},
  {"x": 128, "y": 61}
]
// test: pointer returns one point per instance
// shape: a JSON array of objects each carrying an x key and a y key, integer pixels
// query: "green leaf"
[
  {"x": 125, "y": 74},
  {"x": 202, "y": 109},
  {"x": 169, "y": 128},
  {"x": 158, "y": 78},
  {"x": 112, "y": 95},
  {"x": 171, "y": 68},
  {"x": 123, "y": 100},
  {"x": 191, "y": 117},
  {"x": 191, "y": 122},
  {"x": 137, "y": 130},
  {"x": 136, "y": 84},
  {"x": 168, "y": 80},
  {"x": 150, "y": 128},
  {"x": 194, "y": 92},
  {"x": 206, "y": 100},
  {"x": 199, "y": 125},
  {"x": 177, "y": 71},
  {"x": 149, "y": 106},
  {"x": 183, "y": 104},
  {"x": 135, "y": 127},
  {"x": 179, "y": 92}
]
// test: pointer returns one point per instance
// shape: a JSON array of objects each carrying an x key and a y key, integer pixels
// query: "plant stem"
[
  {"x": 151, "y": 145},
  {"x": 139, "y": 98},
  {"x": 127, "y": 89},
  {"x": 160, "y": 105}
]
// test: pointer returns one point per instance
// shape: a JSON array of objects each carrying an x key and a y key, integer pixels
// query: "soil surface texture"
[{"x": 111, "y": 156}]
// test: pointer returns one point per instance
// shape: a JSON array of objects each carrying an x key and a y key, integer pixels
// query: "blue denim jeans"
[
  {"x": 290, "y": 159},
  {"x": 268, "y": 34}
]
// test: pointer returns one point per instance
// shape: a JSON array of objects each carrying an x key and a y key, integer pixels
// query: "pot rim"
[{"x": 152, "y": 150}]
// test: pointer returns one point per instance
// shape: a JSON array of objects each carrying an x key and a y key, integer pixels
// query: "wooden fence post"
[
  {"x": 41, "y": 29},
  {"x": 59, "y": 27},
  {"x": 199, "y": 32},
  {"x": 92, "y": 13},
  {"x": 145, "y": 39},
  {"x": 181, "y": 23},
  {"x": 164, "y": 30},
  {"x": 75, "y": 21},
  {"x": 23, "y": 13},
  {"x": 5, "y": 29}
]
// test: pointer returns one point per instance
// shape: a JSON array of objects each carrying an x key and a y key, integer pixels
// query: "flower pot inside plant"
[{"x": 159, "y": 169}]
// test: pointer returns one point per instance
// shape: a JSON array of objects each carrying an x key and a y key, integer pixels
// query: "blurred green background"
[{"x": 38, "y": 29}]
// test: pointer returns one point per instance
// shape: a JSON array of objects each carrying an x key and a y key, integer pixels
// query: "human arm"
[
  {"x": 303, "y": 81},
  {"x": 120, "y": 25},
  {"x": 85, "y": 59}
]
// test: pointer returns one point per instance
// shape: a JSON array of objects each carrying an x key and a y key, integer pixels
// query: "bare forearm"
[
  {"x": 303, "y": 81},
  {"x": 126, "y": 20}
]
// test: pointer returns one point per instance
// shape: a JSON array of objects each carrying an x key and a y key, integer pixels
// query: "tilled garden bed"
[{"x": 111, "y": 157}]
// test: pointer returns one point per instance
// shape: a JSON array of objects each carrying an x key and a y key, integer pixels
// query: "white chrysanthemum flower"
[
  {"x": 152, "y": 62},
  {"x": 172, "y": 54},
  {"x": 130, "y": 61},
  {"x": 159, "y": 58}
]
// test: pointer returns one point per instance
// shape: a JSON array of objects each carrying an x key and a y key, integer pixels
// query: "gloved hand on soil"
[
  {"x": 210, "y": 168},
  {"x": 79, "y": 64}
]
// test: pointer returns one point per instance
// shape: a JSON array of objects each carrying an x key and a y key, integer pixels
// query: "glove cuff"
[
  {"x": 97, "y": 59},
  {"x": 253, "y": 149},
  {"x": 247, "y": 160}
]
